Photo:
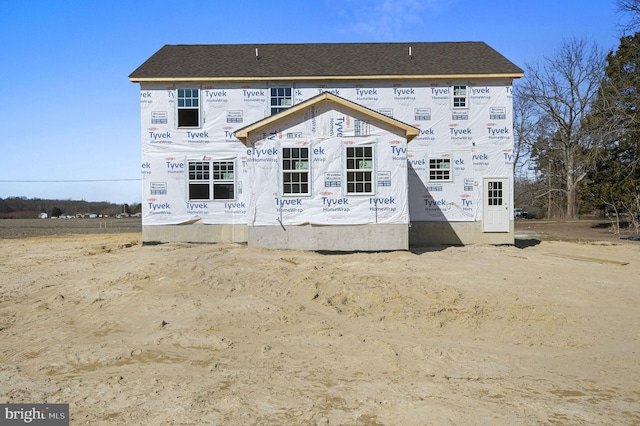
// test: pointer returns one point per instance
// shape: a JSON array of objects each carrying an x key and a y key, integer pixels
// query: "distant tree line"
[
  {"x": 577, "y": 129},
  {"x": 24, "y": 208}
]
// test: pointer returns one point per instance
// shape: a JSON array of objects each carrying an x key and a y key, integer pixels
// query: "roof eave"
[{"x": 324, "y": 77}]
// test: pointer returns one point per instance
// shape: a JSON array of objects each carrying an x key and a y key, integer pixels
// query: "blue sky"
[{"x": 69, "y": 113}]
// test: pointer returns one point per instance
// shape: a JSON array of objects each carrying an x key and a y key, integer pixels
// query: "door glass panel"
[{"x": 495, "y": 193}]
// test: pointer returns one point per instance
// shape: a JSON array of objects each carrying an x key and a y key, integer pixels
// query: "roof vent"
[
  {"x": 257, "y": 55},
  {"x": 410, "y": 55}
]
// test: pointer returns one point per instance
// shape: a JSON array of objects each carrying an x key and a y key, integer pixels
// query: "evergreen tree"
[{"x": 615, "y": 179}]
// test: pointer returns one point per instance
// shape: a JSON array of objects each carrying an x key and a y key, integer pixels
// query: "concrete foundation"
[
  {"x": 429, "y": 234},
  {"x": 194, "y": 233},
  {"x": 331, "y": 238}
]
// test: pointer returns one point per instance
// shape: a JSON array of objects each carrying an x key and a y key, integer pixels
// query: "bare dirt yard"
[{"x": 543, "y": 332}]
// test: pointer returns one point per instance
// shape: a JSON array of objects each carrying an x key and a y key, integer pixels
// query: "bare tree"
[
  {"x": 631, "y": 10},
  {"x": 533, "y": 183},
  {"x": 524, "y": 130},
  {"x": 560, "y": 91}
]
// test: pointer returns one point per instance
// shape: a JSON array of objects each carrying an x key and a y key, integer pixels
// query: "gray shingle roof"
[{"x": 327, "y": 60}]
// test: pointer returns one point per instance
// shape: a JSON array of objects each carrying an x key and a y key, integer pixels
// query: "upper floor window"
[
  {"x": 459, "y": 96},
  {"x": 295, "y": 171},
  {"x": 281, "y": 99},
  {"x": 360, "y": 170},
  {"x": 440, "y": 169},
  {"x": 211, "y": 180},
  {"x": 188, "y": 108}
]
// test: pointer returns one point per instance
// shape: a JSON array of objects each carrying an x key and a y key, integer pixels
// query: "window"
[
  {"x": 459, "y": 96},
  {"x": 211, "y": 180},
  {"x": 188, "y": 108},
  {"x": 360, "y": 170},
  {"x": 199, "y": 180},
  {"x": 439, "y": 169},
  {"x": 295, "y": 171},
  {"x": 223, "y": 180},
  {"x": 281, "y": 99}
]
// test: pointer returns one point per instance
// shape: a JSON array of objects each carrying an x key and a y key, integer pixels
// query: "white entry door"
[{"x": 495, "y": 206}]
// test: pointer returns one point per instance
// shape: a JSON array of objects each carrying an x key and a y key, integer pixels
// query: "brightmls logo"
[{"x": 36, "y": 414}]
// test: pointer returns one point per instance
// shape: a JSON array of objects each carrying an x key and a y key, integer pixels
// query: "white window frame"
[
  {"x": 440, "y": 174},
  {"x": 293, "y": 165},
  {"x": 209, "y": 176},
  {"x": 280, "y": 96},
  {"x": 187, "y": 105},
  {"x": 357, "y": 167},
  {"x": 460, "y": 96}
]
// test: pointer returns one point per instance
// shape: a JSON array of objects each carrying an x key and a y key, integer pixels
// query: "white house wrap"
[{"x": 327, "y": 133}]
